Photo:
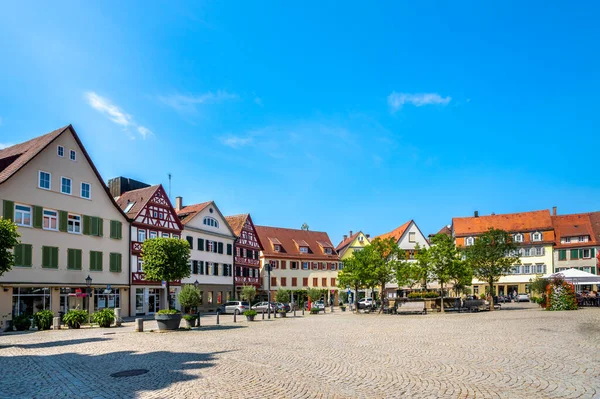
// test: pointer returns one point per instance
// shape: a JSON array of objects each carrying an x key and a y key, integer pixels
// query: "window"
[
  {"x": 50, "y": 257},
  {"x": 210, "y": 246},
  {"x": 304, "y": 265},
  {"x": 175, "y": 236},
  {"x": 74, "y": 224},
  {"x": 324, "y": 282},
  {"x": 516, "y": 269},
  {"x": 277, "y": 248},
  {"x": 86, "y": 192},
  {"x": 562, "y": 254},
  {"x": 332, "y": 281},
  {"x": 96, "y": 261},
  {"x": 586, "y": 254},
  {"x": 93, "y": 225},
  {"x": 212, "y": 222},
  {"x": 518, "y": 237},
  {"x": 583, "y": 239},
  {"x": 328, "y": 251},
  {"x": 540, "y": 268},
  {"x": 190, "y": 240},
  {"x": 50, "y": 220},
  {"x": 115, "y": 263},
  {"x": 23, "y": 255},
  {"x": 469, "y": 241},
  {"x": 200, "y": 244},
  {"x": 574, "y": 254},
  {"x": 72, "y": 155},
  {"x": 567, "y": 240},
  {"x": 45, "y": 180},
  {"x": 539, "y": 251},
  {"x": 304, "y": 250},
  {"x": 315, "y": 282},
  {"x": 210, "y": 297},
  {"x": 526, "y": 269},
  {"x": 229, "y": 249},
  {"x": 294, "y": 265},
  {"x": 527, "y": 252},
  {"x": 65, "y": 185},
  {"x": 315, "y": 266},
  {"x": 141, "y": 235},
  {"x": 305, "y": 281},
  {"x": 361, "y": 238},
  {"x": 273, "y": 281},
  {"x": 333, "y": 266},
  {"x": 537, "y": 236},
  {"x": 22, "y": 215},
  {"x": 60, "y": 150},
  {"x": 164, "y": 235},
  {"x": 153, "y": 234},
  {"x": 411, "y": 237},
  {"x": 283, "y": 281},
  {"x": 341, "y": 266},
  {"x": 74, "y": 259},
  {"x": 140, "y": 265}
]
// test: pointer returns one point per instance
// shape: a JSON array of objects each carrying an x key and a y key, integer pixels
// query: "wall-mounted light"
[{"x": 5, "y": 289}]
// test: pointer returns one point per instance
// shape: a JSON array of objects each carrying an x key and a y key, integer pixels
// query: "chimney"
[
  {"x": 350, "y": 233},
  {"x": 178, "y": 203},
  {"x": 493, "y": 214},
  {"x": 345, "y": 237},
  {"x": 476, "y": 214},
  {"x": 368, "y": 235},
  {"x": 553, "y": 211}
]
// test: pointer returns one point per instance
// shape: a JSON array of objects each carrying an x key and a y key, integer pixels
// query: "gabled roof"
[
  {"x": 578, "y": 224},
  {"x": 445, "y": 230},
  {"x": 236, "y": 222},
  {"x": 13, "y": 158},
  {"x": 510, "y": 222},
  {"x": 347, "y": 241},
  {"x": 397, "y": 233},
  {"x": 187, "y": 213},
  {"x": 134, "y": 201},
  {"x": 301, "y": 243},
  {"x": 288, "y": 239},
  {"x": 324, "y": 244}
]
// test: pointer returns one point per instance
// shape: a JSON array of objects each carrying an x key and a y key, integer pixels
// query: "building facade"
[
  {"x": 299, "y": 259},
  {"x": 247, "y": 249},
  {"x": 70, "y": 227},
  {"x": 152, "y": 216},
  {"x": 533, "y": 232},
  {"x": 352, "y": 242},
  {"x": 211, "y": 241}
]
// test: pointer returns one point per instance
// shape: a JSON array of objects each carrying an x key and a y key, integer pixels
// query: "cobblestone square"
[{"x": 518, "y": 352}]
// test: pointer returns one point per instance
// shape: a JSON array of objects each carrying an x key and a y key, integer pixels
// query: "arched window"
[
  {"x": 210, "y": 221},
  {"x": 519, "y": 237},
  {"x": 469, "y": 241},
  {"x": 537, "y": 236}
]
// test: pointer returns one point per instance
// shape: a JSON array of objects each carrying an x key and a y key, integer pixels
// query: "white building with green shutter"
[{"x": 71, "y": 229}]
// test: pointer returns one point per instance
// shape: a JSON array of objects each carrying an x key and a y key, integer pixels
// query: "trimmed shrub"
[
  {"x": 22, "y": 322},
  {"x": 43, "y": 319},
  {"x": 75, "y": 318},
  {"x": 104, "y": 318}
]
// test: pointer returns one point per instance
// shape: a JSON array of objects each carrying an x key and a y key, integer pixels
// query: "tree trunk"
[
  {"x": 382, "y": 295},
  {"x": 491, "y": 299},
  {"x": 442, "y": 302}
]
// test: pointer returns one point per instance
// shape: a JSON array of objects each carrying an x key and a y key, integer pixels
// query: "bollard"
[
  {"x": 302, "y": 310},
  {"x": 198, "y": 319},
  {"x": 269, "y": 313},
  {"x": 263, "y": 314},
  {"x": 56, "y": 323},
  {"x": 139, "y": 325},
  {"x": 294, "y": 312},
  {"x": 331, "y": 308},
  {"x": 235, "y": 317},
  {"x": 218, "y": 318},
  {"x": 118, "y": 319}
]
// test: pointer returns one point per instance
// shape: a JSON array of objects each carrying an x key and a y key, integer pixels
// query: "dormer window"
[
  {"x": 469, "y": 241},
  {"x": 583, "y": 239},
  {"x": 277, "y": 248},
  {"x": 518, "y": 237},
  {"x": 328, "y": 251},
  {"x": 567, "y": 240},
  {"x": 304, "y": 250},
  {"x": 537, "y": 236}
]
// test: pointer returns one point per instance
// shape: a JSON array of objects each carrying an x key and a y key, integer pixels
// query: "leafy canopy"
[
  {"x": 248, "y": 293},
  {"x": 166, "y": 259},
  {"x": 492, "y": 255},
  {"x": 189, "y": 296},
  {"x": 282, "y": 296},
  {"x": 355, "y": 273},
  {"x": 9, "y": 238},
  {"x": 446, "y": 262},
  {"x": 314, "y": 294}
]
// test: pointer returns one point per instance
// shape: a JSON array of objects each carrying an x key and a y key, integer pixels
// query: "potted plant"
[
  {"x": 190, "y": 321},
  {"x": 166, "y": 259},
  {"x": 75, "y": 318},
  {"x": 104, "y": 317},
  {"x": 314, "y": 310},
  {"x": 43, "y": 319},
  {"x": 22, "y": 322},
  {"x": 250, "y": 314},
  {"x": 343, "y": 307},
  {"x": 282, "y": 312}
]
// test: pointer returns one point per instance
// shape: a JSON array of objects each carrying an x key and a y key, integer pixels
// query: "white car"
[
  {"x": 319, "y": 305},
  {"x": 366, "y": 303},
  {"x": 523, "y": 298}
]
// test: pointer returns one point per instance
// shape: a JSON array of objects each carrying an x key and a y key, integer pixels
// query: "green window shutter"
[
  {"x": 562, "y": 254},
  {"x": 113, "y": 232},
  {"x": 38, "y": 217},
  {"x": 220, "y": 247},
  {"x": 9, "y": 210},
  {"x": 74, "y": 259},
  {"x": 45, "y": 260},
  {"x": 593, "y": 252},
  {"x": 115, "y": 262},
  {"x": 87, "y": 225},
  {"x": 593, "y": 269},
  {"x": 70, "y": 256},
  {"x": 100, "y": 227},
  {"x": 62, "y": 221},
  {"x": 54, "y": 251},
  {"x": 78, "y": 257},
  {"x": 27, "y": 258},
  {"x": 115, "y": 229},
  {"x": 574, "y": 254},
  {"x": 200, "y": 244},
  {"x": 92, "y": 260},
  {"x": 94, "y": 225},
  {"x": 581, "y": 254},
  {"x": 19, "y": 261},
  {"x": 229, "y": 249}
]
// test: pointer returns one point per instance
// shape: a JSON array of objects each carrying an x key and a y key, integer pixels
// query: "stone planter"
[
  {"x": 282, "y": 314},
  {"x": 250, "y": 318},
  {"x": 189, "y": 324},
  {"x": 343, "y": 308},
  {"x": 168, "y": 321}
]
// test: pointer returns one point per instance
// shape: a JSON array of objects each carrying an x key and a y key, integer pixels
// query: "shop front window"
[
  {"x": 210, "y": 298},
  {"x": 29, "y": 301},
  {"x": 106, "y": 298}
]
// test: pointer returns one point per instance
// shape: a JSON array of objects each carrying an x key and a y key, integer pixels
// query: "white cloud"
[
  {"x": 236, "y": 141},
  {"x": 5, "y": 145},
  {"x": 397, "y": 100},
  {"x": 115, "y": 114},
  {"x": 187, "y": 103}
]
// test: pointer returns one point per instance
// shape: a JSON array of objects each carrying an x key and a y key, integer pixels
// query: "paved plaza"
[{"x": 518, "y": 352}]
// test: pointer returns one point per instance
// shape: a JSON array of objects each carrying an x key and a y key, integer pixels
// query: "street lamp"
[
  {"x": 196, "y": 284},
  {"x": 88, "y": 281},
  {"x": 268, "y": 267}
]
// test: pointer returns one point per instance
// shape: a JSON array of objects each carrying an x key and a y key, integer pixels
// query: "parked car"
[
  {"x": 259, "y": 307},
  {"x": 319, "y": 305},
  {"x": 523, "y": 298},
  {"x": 284, "y": 306},
  {"x": 232, "y": 307},
  {"x": 366, "y": 303}
]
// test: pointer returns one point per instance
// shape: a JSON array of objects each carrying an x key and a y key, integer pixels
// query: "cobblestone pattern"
[{"x": 524, "y": 353}]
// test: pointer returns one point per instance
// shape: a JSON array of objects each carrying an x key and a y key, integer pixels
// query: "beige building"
[
  {"x": 299, "y": 259},
  {"x": 70, "y": 227}
]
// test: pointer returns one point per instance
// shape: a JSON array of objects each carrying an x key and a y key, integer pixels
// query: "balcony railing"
[
  {"x": 239, "y": 280},
  {"x": 139, "y": 278},
  {"x": 239, "y": 260}
]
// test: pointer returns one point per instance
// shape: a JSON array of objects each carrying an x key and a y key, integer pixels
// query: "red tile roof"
[
  {"x": 187, "y": 213},
  {"x": 138, "y": 198},
  {"x": 578, "y": 224},
  {"x": 445, "y": 230},
  {"x": 236, "y": 222},
  {"x": 511, "y": 222},
  {"x": 288, "y": 239},
  {"x": 397, "y": 233},
  {"x": 347, "y": 241}
]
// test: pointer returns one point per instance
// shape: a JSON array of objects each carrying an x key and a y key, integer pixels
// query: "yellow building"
[
  {"x": 533, "y": 232},
  {"x": 351, "y": 243}
]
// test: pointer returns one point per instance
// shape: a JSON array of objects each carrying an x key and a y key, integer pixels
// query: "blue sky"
[{"x": 343, "y": 115}]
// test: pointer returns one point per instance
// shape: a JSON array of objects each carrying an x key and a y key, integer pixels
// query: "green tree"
[
  {"x": 189, "y": 297},
  {"x": 166, "y": 259},
  {"x": 314, "y": 294},
  {"x": 385, "y": 257},
  {"x": 492, "y": 256},
  {"x": 445, "y": 262},
  {"x": 421, "y": 269},
  {"x": 9, "y": 238},
  {"x": 282, "y": 296},
  {"x": 248, "y": 293},
  {"x": 355, "y": 273}
]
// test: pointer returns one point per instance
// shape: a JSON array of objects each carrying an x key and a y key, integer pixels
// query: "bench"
[{"x": 411, "y": 307}]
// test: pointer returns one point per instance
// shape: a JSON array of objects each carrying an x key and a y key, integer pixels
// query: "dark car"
[{"x": 283, "y": 306}]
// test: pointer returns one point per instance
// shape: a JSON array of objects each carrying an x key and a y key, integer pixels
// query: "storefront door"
[
  {"x": 153, "y": 301},
  {"x": 139, "y": 301}
]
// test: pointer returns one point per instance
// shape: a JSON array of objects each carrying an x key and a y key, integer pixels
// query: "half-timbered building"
[
  {"x": 152, "y": 216},
  {"x": 246, "y": 252}
]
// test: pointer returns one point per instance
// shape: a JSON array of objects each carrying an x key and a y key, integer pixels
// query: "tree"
[
  {"x": 385, "y": 257},
  {"x": 314, "y": 294},
  {"x": 282, "y": 296},
  {"x": 492, "y": 256},
  {"x": 445, "y": 262},
  {"x": 9, "y": 238},
  {"x": 422, "y": 266},
  {"x": 355, "y": 271},
  {"x": 189, "y": 297},
  {"x": 248, "y": 293},
  {"x": 166, "y": 259}
]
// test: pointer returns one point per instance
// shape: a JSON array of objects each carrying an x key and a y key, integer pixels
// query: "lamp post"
[
  {"x": 88, "y": 283},
  {"x": 268, "y": 266},
  {"x": 196, "y": 285}
]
